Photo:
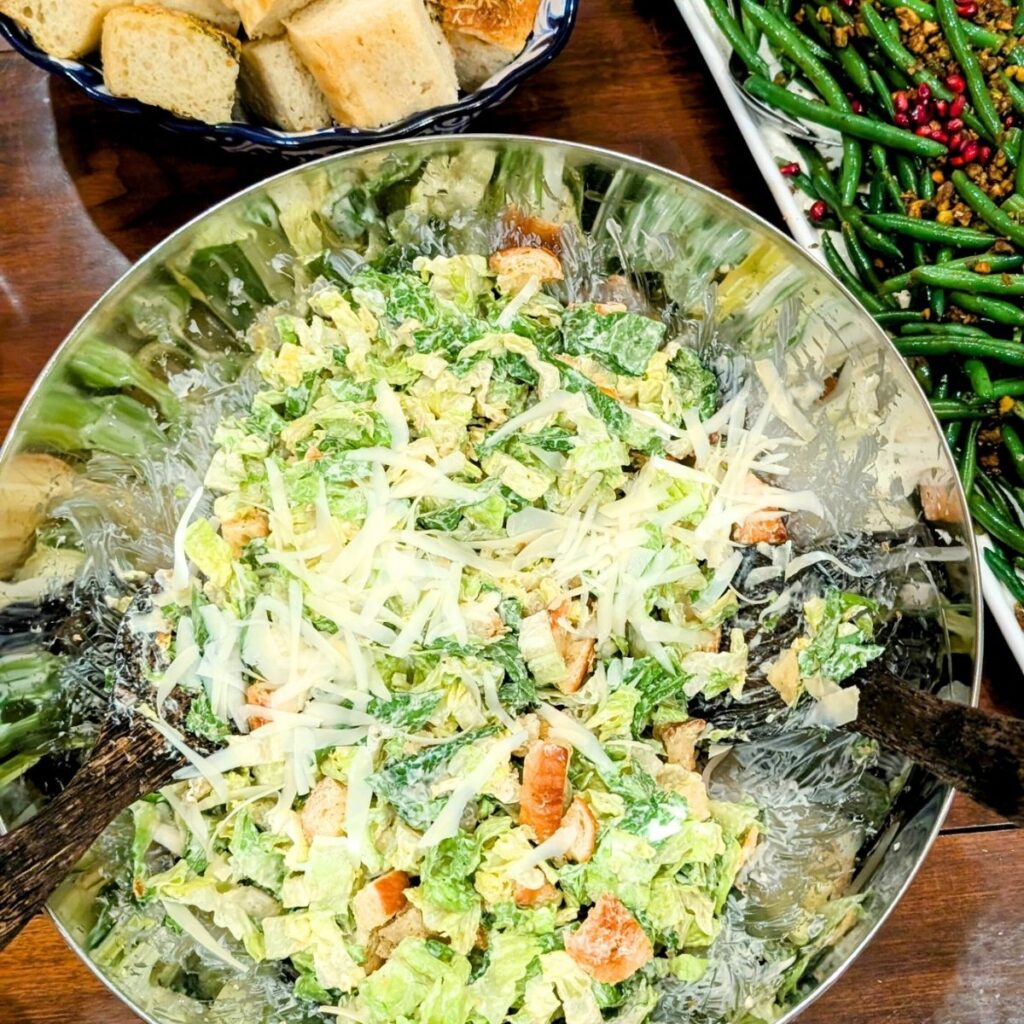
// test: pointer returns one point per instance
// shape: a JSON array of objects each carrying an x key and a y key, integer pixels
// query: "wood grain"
[{"x": 84, "y": 192}]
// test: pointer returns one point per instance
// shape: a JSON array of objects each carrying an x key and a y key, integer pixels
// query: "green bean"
[
  {"x": 926, "y": 183},
  {"x": 1013, "y": 90},
  {"x": 995, "y": 497},
  {"x": 996, "y": 264},
  {"x": 1009, "y": 352},
  {"x": 849, "y": 58},
  {"x": 801, "y": 50},
  {"x": 1005, "y": 572},
  {"x": 881, "y": 90},
  {"x": 750, "y": 30},
  {"x": 889, "y": 43},
  {"x": 1014, "y": 206},
  {"x": 968, "y": 466},
  {"x": 977, "y": 199},
  {"x": 1014, "y": 447},
  {"x": 730, "y": 28},
  {"x": 991, "y": 309},
  {"x": 877, "y": 194},
  {"x": 996, "y": 523},
  {"x": 899, "y": 317},
  {"x": 968, "y": 281},
  {"x": 859, "y": 258},
  {"x": 964, "y": 330},
  {"x": 846, "y": 276},
  {"x": 952, "y": 409},
  {"x": 851, "y": 124},
  {"x": 1018, "y": 21},
  {"x": 1018, "y": 181},
  {"x": 923, "y": 376},
  {"x": 804, "y": 183},
  {"x": 931, "y": 231},
  {"x": 1010, "y": 145},
  {"x": 866, "y": 231},
  {"x": 821, "y": 176},
  {"x": 977, "y": 34},
  {"x": 885, "y": 177},
  {"x": 952, "y": 432},
  {"x": 987, "y": 388},
  {"x": 981, "y": 98},
  {"x": 944, "y": 255}
]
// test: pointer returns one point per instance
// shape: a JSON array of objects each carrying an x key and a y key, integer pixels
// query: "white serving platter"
[{"x": 767, "y": 144}]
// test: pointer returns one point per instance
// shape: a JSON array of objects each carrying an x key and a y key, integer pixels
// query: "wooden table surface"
[{"x": 84, "y": 192}]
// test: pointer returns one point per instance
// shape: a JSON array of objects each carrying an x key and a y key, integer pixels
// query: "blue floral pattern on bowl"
[{"x": 554, "y": 24}]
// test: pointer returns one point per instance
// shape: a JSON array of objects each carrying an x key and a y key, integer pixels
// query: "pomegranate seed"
[
  {"x": 901, "y": 102},
  {"x": 818, "y": 211},
  {"x": 789, "y": 169},
  {"x": 954, "y": 124},
  {"x": 968, "y": 10},
  {"x": 941, "y": 107},
  {"x": 940, "y": 136},
  {"x": 856, "y": 106},
  {"x": 956, "y": 84},
  {"x": 924, "y": 91},
  {"x": 1008, "y": 120},
  {"x": 956, "y": 142},
  {"x": 925, "y": 131},
  {"x": 969, "y": 152},
  {"x": 956, "y": 161},
  {"x": 984, "y": 154},
  {"x": 901, "y": 120},
  {"x": 956, "y": 108}
]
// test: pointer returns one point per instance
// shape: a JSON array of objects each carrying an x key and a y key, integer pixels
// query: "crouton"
[
  {"x": 520, "y": 228},
  {"x": 680, "y": 741},
  {"x": 379, "y": 901},
  {"x": 581, "y": 821},
  {"x": 61, "y": 28},
  {"x": 940, "y": 503},
  {"x": 543, "y": 793},
  {"x": 577, "y": 652},
  {"x": 765, "y": 526},
  {"x": 407, "y": 924},
  {"x": 276, "y": 86},
  {"x": 485, "y": 37},
  {"x": 170, "y": 60},
  {"x": 266, "y": 17},
  {"x": 610, "y": 945},
  {"x": 323, "y": 813},
  {"x": 248, "y": 526},
  {"x": 260, "y": 694},
  {"x": 545, "y": 893},
  {"x": 376, "y": 61},
  {"x": 689, "y": 785},
  {"x": 515, "y": 266}
]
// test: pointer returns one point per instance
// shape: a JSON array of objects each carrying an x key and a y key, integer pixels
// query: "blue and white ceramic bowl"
[{"x": 551, "y": 31}]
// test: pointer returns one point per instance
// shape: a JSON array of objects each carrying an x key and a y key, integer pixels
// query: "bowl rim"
[
  {"x": 943, "y": 793},
  {"x": 259, "y": 135}
]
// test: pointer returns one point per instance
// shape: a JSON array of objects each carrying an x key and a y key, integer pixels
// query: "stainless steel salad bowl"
[{"x": 132, "y": 449}]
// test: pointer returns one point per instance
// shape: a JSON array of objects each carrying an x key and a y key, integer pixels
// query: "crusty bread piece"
[
  {"x": 485, "y": 35},
  {"x": 266, "y": 17},
  {"x": 63, "y": 28},
  {"x": 171, "y": 60},
  {"x": 376, "y": 61},
  {"x": 216, "y": 12},
  {"x": 276, "y": 85}
]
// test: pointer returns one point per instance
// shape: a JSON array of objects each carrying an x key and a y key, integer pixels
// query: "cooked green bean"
[
  {"x": 899, "y": 317},
  {"x": 1013, "y": 90},
  {"x": 985, "y": 387},
  {"x": 871, "y": 238},
  {"x": 981, "y": 98},
  {"x": 1009, "y": 352},
  {"x": 854, "y": 124},
  {"x": 996, "y": 264},
  {"x": 996, "y": 523},
  {"x": 884, "y": 178},
  {"x": 1005, "y": 573},
  {"x": 978, "y": 200},
  {"x": 977, "y": 34},
  {"x": 967, "y": 281},
  {"x": 992, "y": 309},
  {"x": 964, "y": 330},
  {"x": 952, "y": 409},
  {"x": 1014, "y": 447},
  {"x": 931, "y": 231},
  {"x": 968, "y": 466},
  {"x": 862, "y": 264},
  {"x": 870, "y": 302},
  {"x": 730, "y": 28},
  {"x": 889, "y": 43}
]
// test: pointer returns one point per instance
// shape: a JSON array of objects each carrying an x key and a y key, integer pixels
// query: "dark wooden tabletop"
[{"x": 84, "y": 192}]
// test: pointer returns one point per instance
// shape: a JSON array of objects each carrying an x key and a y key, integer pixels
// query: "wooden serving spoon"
[
  {"x": 129, "y": 759},
  {"x": 979, "y": 753}
]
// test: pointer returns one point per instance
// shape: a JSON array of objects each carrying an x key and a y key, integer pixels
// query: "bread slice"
[
  {"x": 171, "y": 60},
  {"x": 485, "y": 35},
  {"x": 277, "y": 87},
  {"x": 266, "y": 17},
  {"x": 62, "y": 28},
  {"x": 216, "y": 12},
  {"x": 376, "y": 61}
]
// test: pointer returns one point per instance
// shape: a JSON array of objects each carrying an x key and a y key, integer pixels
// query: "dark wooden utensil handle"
[
  {"x": 977, "y": 752},
  {"x": 129, "y": 760}
]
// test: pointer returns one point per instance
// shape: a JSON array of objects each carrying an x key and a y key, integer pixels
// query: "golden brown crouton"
[
  {"x": 680, "y": 741},
  {"x": 610, "y": 945},
  {"x": 323, "y": 813}
]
